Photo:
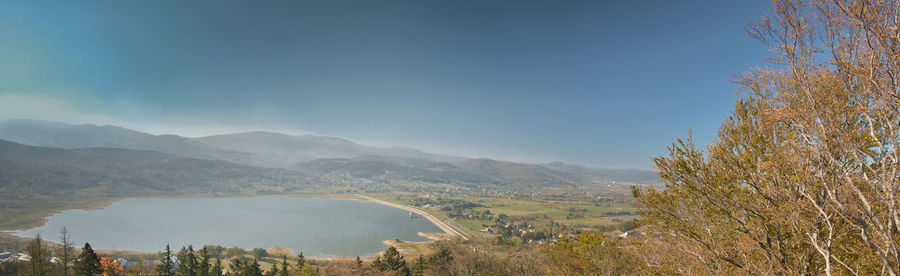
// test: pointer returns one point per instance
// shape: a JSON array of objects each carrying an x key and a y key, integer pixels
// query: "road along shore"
[{"x": 440, "y": 224}]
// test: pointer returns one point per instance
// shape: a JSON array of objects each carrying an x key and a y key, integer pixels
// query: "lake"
[{"x": 318, "y": 227}]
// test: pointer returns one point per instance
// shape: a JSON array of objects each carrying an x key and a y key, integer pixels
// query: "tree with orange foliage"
[
  {"x": 804, "y": 177},
  {"x": 110, "y": 267}
]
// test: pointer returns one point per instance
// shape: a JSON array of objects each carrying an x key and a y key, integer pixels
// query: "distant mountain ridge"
[
  {"x": 26, "y": 170},
  {"x": 287, "y": 149},
  {"x": 327, "y": 158},
  {"x": 264, "y": 149},
  {"x": 67, "y": 136}
]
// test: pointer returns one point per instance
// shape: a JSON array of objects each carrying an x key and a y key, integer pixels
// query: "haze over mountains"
[
  {"x": 285, "y": 150},
  {"x": 272, "y": 156}
]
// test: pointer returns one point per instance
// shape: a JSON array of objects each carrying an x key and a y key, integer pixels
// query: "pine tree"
[
  {"x": 284, "y": 266},
  {"x": 216, "y": 269},
  {"x": 39, "y": 264},
  {"x": 166, "y": 267},
  {"x": 301, "y": 261},
  {"x": 420, "y": 266},
  {"x": 253, "y": 269},
  {"x": 188, "y": 264},
  {"x": 88, "y": 263},
  {"x": 236, "y": 266},
  {"x": 440, "y": 261},
  {"x": 203, "y": 267},
  {"x": 391, "y": 260}
]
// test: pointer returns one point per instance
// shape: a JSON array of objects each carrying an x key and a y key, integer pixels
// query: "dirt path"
[{"x": 440, "y": 224}]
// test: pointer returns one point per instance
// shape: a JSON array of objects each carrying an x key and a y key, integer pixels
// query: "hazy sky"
[{"x": 592, "y": 82}]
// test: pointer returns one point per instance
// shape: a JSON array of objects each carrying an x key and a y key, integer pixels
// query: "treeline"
[
  {"x": 588, "y": 252},
  {"x": 444, "y": 204}
]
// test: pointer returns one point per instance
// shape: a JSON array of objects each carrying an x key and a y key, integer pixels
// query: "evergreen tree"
[
  {"x": 236, "y": 266},
  {"x": 188, "y": 262},
  {"x": 441, "y": 255},
  {"x": 253, "y": 269},
  {"x": 391, "y": 260},
  {"x": 88, "y": 263},
  {"x": 301, "y": 261},
  {"x": 39, "y": 264},
  {"x": 420, "y": 266},
  {"x": 203, "y": 266},
  {"x": 440, "y": 261},
  {"x": 166, "y": 267},
  {"x": 216, "y": 269},
  {"x": 284, "y": 266}
]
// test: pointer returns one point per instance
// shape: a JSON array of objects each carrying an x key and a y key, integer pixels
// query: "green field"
[{"x": 573, "y": 212}]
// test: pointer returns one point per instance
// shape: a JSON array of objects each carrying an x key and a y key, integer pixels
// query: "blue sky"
[{"x": 591, "y": 82}]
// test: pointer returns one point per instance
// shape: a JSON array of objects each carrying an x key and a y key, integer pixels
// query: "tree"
[
  {"x": 802, "y": 178},
  {"x": 187, "y": 265},
  {"x": 301, "y": 262},
  {"x": 165, "y": 267},
  {"x": 284, "y": 266},
  {"x": 252, "y": 269},
  {"x": 204, "y": 266},
  {"x": 217, "y": 268},
  {"x": 236, "y": 266},
  {"x": 66, "y": 250},
  {"x": 420, "y": 266},
  {"x": 88, "y": 263},
  {"x": 391, "y": 260},
  {"x": 440, "y": 261},
  {"x": 592, "y": 253},
  {"x": 309, "y": 270},
  {"x": 39, "y": 264},
  {"x": 110, "y": 267},
  {"x": 259, "y": 253}
]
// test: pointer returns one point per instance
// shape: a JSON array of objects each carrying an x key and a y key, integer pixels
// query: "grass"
[
  {"x": 538, "y": 211},
  {"x": 474, "y": 224}
]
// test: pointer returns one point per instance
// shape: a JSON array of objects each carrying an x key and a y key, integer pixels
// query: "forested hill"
[
  {"x": 472, "y": 173},
  {"x": 261, "y": 149},
  {"x": 68, "y": 136},
  {"x": 284, "y": 150},
  {"x": 329, "y": 159},
  {"x": 41, "y": 170}
]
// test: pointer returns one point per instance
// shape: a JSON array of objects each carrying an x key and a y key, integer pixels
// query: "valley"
[{"x": 86, "y": 167}]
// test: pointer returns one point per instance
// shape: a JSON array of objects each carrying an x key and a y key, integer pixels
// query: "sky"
[{"x": 606, "y": 83}]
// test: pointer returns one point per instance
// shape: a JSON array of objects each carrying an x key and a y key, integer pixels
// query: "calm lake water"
[{"x": 315, "y": 226}]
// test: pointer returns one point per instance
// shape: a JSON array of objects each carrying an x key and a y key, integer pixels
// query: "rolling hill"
[
  {"x": 60, "y": 135},
  {"x": 41, "y": 170},
  {"x": 262, "y": 149},
  {"x": 284, "y": 150},
  {"x": 127, "y": 157}
]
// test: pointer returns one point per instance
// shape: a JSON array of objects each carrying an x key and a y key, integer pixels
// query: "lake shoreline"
[
  {"x": 104, "y": 203},
  {"x": 440, "y": 224}
]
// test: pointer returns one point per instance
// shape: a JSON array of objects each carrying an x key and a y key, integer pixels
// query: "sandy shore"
[{"x": 440, "y": 224}]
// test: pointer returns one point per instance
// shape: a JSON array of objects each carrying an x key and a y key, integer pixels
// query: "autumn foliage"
[
  {"x": 803, "y": 178},
  {"x": 110, "y": 267}
]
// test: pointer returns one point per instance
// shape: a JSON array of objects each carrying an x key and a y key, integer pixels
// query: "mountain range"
[{"x": 99, "y": 150}]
